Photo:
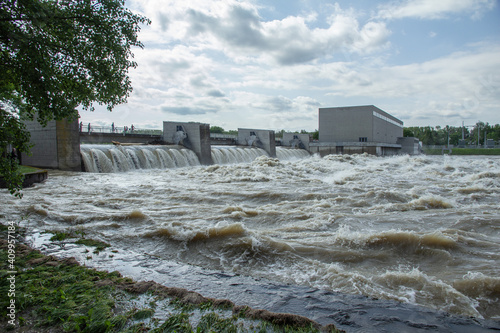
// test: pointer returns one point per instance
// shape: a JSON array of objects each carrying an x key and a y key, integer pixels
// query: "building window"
[{"x": 363, "y": 139}]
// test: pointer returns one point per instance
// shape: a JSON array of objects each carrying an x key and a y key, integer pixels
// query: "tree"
[
  {"x": 408, "y": 132},
  {"x": 57, "y": 56},
  {"x": 216, "y": 129}
]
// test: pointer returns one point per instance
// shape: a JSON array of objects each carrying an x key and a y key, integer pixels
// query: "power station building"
[{"x": 357, "y": 130}]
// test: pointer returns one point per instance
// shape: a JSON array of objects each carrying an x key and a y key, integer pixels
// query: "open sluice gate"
[{"x": 107, "y": 158}]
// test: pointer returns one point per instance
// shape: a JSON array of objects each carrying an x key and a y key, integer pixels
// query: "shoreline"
[{"x": 29, "y": 258}]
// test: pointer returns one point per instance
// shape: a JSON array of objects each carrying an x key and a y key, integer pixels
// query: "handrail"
[{"x": 89, "y": 128}]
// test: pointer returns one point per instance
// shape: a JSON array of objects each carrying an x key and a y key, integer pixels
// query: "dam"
[
  {"x": 59, "y": 146},
  {"x": 109, "y": 158},
  {"x": 342, "y": 130}
]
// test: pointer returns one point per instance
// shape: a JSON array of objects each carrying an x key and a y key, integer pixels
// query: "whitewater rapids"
[{"x": 422, "y": 230}]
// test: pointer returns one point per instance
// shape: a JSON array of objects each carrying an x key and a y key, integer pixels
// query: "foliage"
[
  {"x": 12, "y": 134},
  {"x": 463, "y": 151},
  {"x": 439, "y": 136},
  {"x": 216, "y": 129},
  {"x": 56, "y": 56}
]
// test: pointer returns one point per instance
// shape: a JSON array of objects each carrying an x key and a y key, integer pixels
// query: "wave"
[
  {"x": 410, "y": 240},
  {"x": 403, "y": 240},
  {"x": 192, "y": 234},
  {"x": 475, "y": 284},
  {"x": 238, "y": 212},
  {"x": 486, "y": 174},
  {"x": 422, "y": 203},
  {"x": 414, "y": 286}
]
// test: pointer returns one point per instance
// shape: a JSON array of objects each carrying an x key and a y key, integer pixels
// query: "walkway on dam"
[{"x": 106, "y": 134}]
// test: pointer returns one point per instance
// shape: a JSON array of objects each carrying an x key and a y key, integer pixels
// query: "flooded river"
[{"x": 421, "y": 231}]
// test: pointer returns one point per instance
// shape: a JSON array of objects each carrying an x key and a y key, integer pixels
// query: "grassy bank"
[
  {"x": 27, "y": 169},
  {"x": 55, "y": 295},
  {"x": 464, "y": 151}
]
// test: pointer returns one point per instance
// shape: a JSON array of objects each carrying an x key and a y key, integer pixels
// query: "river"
[{"x": 420, "y": 231}]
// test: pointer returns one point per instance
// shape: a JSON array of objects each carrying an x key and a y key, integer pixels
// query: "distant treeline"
[
  {"x": 428, "y": 135},
  {"x": 439, "y": 135}
]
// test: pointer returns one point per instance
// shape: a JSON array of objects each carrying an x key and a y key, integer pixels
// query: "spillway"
[{"x": 109, "y": 158}]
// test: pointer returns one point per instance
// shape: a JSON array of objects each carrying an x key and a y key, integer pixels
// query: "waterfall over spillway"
[{"x": 109, "y": 158}]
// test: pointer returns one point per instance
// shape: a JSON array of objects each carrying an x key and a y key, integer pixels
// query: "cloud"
[
  {"x": 215, "y": 93},
  {"x": 226, "y": 63},
  {"x": 187, "y": 110},
  {"x": 454, "y": 87},
  {"x": 431, "y": 9},
  {"x": 237, "y": 29}
]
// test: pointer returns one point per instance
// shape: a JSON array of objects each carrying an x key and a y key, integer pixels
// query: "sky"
[{"x": 273, "y": 64}]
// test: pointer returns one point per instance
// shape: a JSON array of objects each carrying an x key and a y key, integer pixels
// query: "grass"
[
  {"x": 28, "y": 169},
  {"x": 60, "y": 296},
  {"x": 464, "y": 151}
]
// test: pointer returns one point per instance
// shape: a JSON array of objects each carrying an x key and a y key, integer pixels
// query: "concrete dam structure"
[
  {"x": 58, "y": 146},
  {"x": 188, "y": 144},
  {"x": 342, "y": 130}
]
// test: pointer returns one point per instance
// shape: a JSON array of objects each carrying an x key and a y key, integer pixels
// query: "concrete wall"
[
  {"x": 296, "y": 140},
  {"x": 378, "y": 149},
  {"x": 345, "y": 124},
  {"x": 68, "y": 145},
  {"x": 56, "y": 146},
  {"x": 264, "y": 139},
  {"x": 195, "y": 136},
  {"x": 96, "y": 137},
  {"x": 409, "y": 145},
  {"x": 386, "y": 128},
  {"x": 349, "y": 124}
]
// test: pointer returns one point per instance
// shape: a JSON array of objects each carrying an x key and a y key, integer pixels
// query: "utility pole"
[
  {"x": 448, "y": 133},
  {"x": 478, "y": 134}
]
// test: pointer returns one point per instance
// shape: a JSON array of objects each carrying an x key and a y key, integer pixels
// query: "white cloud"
[
  {"x": 222, "y": 63},
  {"x": 457, "y": 85},
  {"x": 237, "y": 29},
  {"x": 432, "y": 9}
]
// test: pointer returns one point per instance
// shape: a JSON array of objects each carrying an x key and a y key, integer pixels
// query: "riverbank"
[
  {"x": 48, "y": 294},
  {"x": 31, "y": 176},
  {"x": 463, "y": 151}
]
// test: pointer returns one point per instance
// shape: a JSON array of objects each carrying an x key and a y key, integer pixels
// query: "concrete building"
[
  {"x": 357, "y": 129},
  {"x": 358, "y": 124}
]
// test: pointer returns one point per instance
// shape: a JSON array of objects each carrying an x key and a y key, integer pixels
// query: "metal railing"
[
  {"x": 223, "y": 136},
  {"x": 125, "y": 130}
]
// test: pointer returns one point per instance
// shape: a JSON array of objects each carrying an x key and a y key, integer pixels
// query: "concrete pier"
[
  {"x": 194, "y": 136},
  {"x": 264, "y": 139},
  {"x": 295, "y": 140}
]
